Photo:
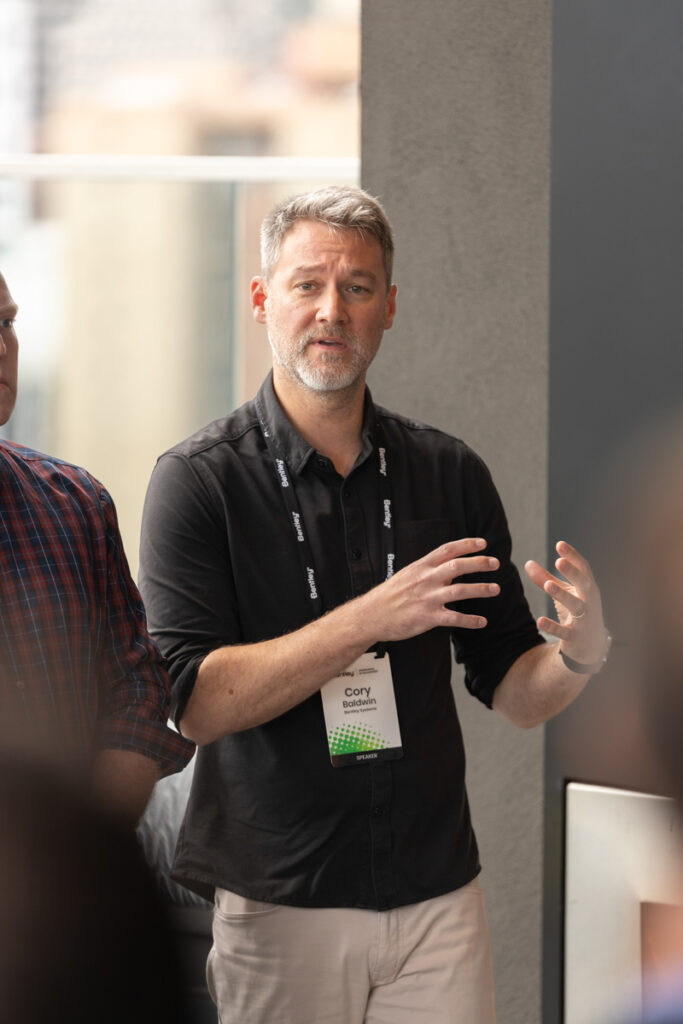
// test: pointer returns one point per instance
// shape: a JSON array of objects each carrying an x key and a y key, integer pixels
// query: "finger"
[
  {"x": 457, "y": 620},
  {"x": 575, "y": 557},
  {"x": 537, "y": 574},
  {"x": 553, "y": 628},
  {"x": 572, "y": 573},
  {"x": 558, "y": 590},
  {"x": 464, "y": 566},
  {"x": 574, "y": 604},
  {"x": 469, "y": 591},
  {"x": 454, "y": 549}
]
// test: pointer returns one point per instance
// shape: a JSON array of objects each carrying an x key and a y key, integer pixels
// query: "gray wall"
[{"x": 455, "y": 140}]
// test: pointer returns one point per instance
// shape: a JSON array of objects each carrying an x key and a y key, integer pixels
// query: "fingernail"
[
  {"x": 480, "y": 543},
  {"x": 481, "y": 623},
  {"x": 493, "y": 563},
  {"x": 493, "y": 588}
]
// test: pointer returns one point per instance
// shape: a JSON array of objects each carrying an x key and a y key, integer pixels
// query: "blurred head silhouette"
[
  {"x": 644, "y": 548},
  {"x": 82, "y": 934}
]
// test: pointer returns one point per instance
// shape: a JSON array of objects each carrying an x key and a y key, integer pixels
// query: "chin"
[
  {"x": 329, "y": 377},
  {"x": 324, "y": 384}
]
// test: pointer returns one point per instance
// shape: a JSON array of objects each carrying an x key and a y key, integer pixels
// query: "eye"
[
  {"x": 358, "y": 289},
  {"x": 305, "y": 286},
  {"x": 7, "y": 322}
]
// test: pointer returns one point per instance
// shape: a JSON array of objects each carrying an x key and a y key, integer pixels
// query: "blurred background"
[{"x": 130, "y": 254}]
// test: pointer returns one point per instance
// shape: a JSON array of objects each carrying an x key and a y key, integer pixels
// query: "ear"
[
  {"x": 390, "y": 310},
  {"x": 258, "y": 299}
]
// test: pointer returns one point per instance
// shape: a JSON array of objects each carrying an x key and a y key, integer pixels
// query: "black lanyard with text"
[{"x": 297, "y": 520}]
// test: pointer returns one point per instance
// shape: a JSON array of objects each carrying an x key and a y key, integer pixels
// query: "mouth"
[{"x": 333, "y": 344}]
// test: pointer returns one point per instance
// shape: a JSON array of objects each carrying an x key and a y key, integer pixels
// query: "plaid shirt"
[{"x": 77, "y": 666}]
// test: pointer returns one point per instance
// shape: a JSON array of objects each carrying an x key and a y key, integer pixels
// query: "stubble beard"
[{"x": 332, "y": 371}]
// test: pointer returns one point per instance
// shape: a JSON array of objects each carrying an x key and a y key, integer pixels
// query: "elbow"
[
  {"x": 195, "y": 732},
  {"x": 198, "y": 729},
  {"x": 203, "y": 726},
  {"x": 525, "y": 722},
  {"x": 530, "y": 722},
  {"x": 522, "y": 718},
  {"x": 196, "y": 726}
]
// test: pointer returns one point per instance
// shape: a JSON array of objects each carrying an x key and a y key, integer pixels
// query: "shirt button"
[
  {"x": 322, "y": 463},
  {"x": 356, "y": 553},
  {"x": 346, "y": 494},
  {"x": 378, "y": 812}
]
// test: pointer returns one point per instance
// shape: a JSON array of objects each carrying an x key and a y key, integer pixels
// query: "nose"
[{"x": 331, "y": 307}]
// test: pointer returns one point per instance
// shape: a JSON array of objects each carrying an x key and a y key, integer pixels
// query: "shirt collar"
[{"x": 294, "y": 449}]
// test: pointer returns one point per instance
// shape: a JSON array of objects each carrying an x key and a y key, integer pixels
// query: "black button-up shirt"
[{"x": 269, "y": 817}]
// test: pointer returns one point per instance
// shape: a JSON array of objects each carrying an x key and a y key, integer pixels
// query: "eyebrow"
[{"x": 313, "y": 268}]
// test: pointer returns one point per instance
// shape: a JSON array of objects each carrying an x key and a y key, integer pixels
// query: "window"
[{"x": 143, "y": 144}]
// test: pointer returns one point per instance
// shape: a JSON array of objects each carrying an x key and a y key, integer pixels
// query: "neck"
[{"x": 330, "y": 421}]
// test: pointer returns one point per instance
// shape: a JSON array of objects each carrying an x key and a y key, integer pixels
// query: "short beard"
[{"x": 326, "y": 376}]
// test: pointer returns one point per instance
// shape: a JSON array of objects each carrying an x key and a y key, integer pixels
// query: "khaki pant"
[{"x": 428, "y": 963}]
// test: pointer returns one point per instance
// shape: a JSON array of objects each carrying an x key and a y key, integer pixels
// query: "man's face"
[
  {"x": 9, "y": 350},
  {"x": 326, "y": 306}
]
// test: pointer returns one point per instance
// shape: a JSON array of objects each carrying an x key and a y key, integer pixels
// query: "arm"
[
  {"x": 133, "y": 735},
  {"x": 238, "y": 687},
  {"x": 123, "y": 781},
  {"x": 538, "y": 685}
]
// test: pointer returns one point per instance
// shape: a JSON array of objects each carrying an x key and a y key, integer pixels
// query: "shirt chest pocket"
[{"x": 416, "y": 538}]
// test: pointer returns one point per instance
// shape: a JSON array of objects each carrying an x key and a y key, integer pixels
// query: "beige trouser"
[{"x": 428, "y": 963}]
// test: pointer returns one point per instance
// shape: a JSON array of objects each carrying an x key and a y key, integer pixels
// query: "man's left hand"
[{"x": 580, "y": 627}]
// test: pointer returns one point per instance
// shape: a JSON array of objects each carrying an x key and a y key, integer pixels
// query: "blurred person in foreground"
[
  {"x": 81, "y": 682},
  {"x": 83, "y": 932},
  {"x": 643, "y": 567},
  {"x": 306, "y": 563}
]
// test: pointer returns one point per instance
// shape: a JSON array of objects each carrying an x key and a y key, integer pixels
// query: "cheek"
[
  {"x": 11, "y": 351},
  {"x": 289, "y": 322}
]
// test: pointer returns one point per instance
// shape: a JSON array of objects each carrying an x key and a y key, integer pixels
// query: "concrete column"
[{"x": 455, "y": 141}]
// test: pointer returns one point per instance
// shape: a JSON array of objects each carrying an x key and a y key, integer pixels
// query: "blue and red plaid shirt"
[{"x": 77, "y": 666}]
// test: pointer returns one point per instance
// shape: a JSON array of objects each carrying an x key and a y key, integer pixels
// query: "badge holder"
[{"x": 359, "y": 706}]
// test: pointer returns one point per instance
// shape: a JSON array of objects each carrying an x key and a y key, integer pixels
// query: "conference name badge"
[{"x": 361, "y": 720}]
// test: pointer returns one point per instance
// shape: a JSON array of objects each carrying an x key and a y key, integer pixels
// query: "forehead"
[{"x": 311, "y": 243}]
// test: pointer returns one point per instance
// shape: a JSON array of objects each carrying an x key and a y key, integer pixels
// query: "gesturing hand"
[
  {"x": 415, "y": 598},
  {"x": 580, "y": 626}
]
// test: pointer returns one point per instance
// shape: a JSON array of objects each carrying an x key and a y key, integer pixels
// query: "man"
[
  {"x": 81, "y": 682},
  {"x": 306, "y": 562}
]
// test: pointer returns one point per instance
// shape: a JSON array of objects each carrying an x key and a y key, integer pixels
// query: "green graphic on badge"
[
  {"x": 360, "y": 713},
  {"x": 352, "y": 739}
]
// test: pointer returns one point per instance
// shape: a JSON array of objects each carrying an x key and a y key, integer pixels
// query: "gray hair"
[{"x": 338, "y": 206}]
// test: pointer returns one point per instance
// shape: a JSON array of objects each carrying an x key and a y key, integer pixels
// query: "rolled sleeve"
[
  {"x": 186, "y": 571},
  {"x": 488, "y": 653}
]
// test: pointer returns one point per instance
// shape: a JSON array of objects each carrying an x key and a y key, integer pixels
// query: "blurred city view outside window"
[{"x": 132, "y": 276}]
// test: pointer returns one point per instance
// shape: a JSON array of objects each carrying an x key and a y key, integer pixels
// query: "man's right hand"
[{"x": 414, "y": 599}]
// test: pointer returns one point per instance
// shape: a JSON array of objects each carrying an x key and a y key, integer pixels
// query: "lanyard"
[{"x": 297, "y": 520}]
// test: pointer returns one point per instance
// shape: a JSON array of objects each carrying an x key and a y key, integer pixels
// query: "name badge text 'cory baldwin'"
[{"x": 361, "y": 695}]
